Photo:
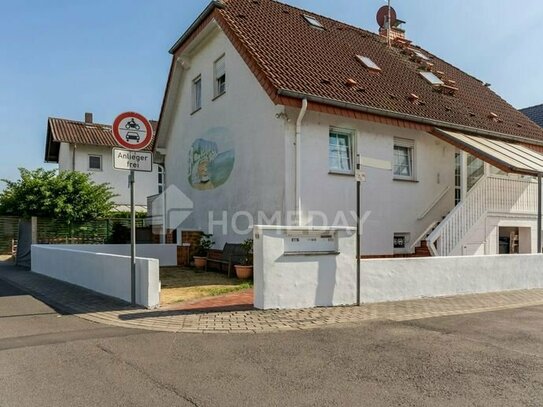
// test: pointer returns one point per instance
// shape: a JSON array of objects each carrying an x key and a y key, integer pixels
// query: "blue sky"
[{"x": 65, "y": 57}]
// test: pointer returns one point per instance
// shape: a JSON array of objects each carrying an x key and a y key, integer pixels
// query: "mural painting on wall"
[{"x": 211, "y": 159}]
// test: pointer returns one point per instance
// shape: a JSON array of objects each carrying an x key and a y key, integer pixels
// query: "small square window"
[
  {"x": 403, "y": 159},
  {"x": 95, "y": 162},
  {"x": 197, "y": 94},
  {"x": 400, "y": 241},
  {"x": 340, "y": 151},
  {"x": 219, "y": 73},
  {"x": 313, "y": 21}
]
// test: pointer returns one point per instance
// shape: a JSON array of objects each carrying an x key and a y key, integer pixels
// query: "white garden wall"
[
  {"x": 166, "y": 254},
  {"x": 286, "y": 280},
  {"x": 403, "y": 279},
  {"x": 107, "y": 274}
]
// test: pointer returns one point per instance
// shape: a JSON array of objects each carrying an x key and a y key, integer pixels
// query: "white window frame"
[
  {"x": 368, "y": 63},
  {"x": 101, "y": 162},
  {"x": 431, "y": 78},
  {"x": 410, "y": 146},
  {"x": 196, "y": 93},
  {"x": 217, "y": 75},
  {"x": 351, "y": 137},
  {"x": 313, "y": 21}
]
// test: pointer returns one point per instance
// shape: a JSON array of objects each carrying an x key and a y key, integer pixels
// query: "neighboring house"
[
  {"x": 86, "y": 146},
  {"x": 267, "y": 107},
  {"x": 535, "y": 113}
]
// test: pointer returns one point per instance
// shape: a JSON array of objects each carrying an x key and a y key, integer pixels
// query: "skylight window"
[
  {"x": 420, "y": 55},
  {"x": 368, "y": 63},
  {"x": 432, "y": 78},
  {"x": 313, "y": 21}
]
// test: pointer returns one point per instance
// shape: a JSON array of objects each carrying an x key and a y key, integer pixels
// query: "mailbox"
[{"x": 310, "y": 242}]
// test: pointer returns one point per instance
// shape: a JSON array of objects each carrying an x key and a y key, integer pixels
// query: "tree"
[{"x": 67, "y": 196}]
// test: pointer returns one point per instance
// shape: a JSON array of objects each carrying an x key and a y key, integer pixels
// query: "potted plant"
[
  {"x": 200, "y": 255},
  {"x": 245, "y": 269}
]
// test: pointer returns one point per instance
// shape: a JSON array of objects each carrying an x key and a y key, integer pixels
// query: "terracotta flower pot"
[
  {"x": 200, "y": 262},
  {"x": 243, "y": 272}
]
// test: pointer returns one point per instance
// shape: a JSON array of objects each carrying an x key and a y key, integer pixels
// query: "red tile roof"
[
  {"x": 78, "y": 132},
  {"x": 292, "y": 59}
]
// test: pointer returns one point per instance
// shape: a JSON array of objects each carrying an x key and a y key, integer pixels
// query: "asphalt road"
[{"x": 488, "y": 359}]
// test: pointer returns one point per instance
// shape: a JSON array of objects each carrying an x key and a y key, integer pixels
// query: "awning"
[{"x": 508, "y": 157}]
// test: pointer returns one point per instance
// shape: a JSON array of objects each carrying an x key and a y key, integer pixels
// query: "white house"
[
  {"x": 86, "y": 146},
  {"x": 268, "y": 106}
]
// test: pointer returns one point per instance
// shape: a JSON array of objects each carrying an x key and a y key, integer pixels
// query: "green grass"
[
  {"x": 226, "y": 290},
  {"x": 181, "y": 284}
]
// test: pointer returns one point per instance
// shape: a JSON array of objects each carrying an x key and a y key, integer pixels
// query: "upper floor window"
[
  {"x": 403, "y": 159},
  {"x": 340, "y": 150},
  {"x": 197, "y": 94},
  {"x": 95, "y": 162},
  {"x": 219, "y": 73},
  {"x": 160, "y": 179}
]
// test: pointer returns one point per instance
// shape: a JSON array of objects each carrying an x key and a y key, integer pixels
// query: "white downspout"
[
  {"x": 73, "y": 157},
  {"x": 298, "y": 146},
  {"x": 164, "y": 229}
]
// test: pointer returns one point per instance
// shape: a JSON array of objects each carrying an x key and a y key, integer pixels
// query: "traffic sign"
[
  {"x": 132, "y": 130},
  {"x": 132, "y": 160}
]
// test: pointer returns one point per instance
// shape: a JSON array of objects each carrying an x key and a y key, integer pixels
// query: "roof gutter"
[
  {"x": 203, "y": 15},
  {"x": 404, "y": 116}
]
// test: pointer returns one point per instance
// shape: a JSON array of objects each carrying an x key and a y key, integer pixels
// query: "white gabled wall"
[
  {"x": 146, "y": 182},
  {"x": 243, "y": 119}
]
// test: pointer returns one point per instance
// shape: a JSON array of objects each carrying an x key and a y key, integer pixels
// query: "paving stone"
[{"x": 197, "y": 318}]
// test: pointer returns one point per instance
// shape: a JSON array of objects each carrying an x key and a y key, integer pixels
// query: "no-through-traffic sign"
[{"x": 132, "y": 130}]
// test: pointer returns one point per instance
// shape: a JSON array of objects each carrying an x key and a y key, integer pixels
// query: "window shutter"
[
  {"x": 403, "y": 142},
  {"x": 220, "y": 68}
]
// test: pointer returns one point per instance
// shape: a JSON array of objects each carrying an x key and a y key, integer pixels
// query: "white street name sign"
[{"x": 132, "y": 160}]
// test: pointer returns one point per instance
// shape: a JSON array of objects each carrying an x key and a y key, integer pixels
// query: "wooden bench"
[{"x": 230, "y": 255}]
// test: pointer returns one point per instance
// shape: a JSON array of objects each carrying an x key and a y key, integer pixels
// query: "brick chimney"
[
  {"x": 88, "y": 117},
  {"x": 395, "y": 32}
]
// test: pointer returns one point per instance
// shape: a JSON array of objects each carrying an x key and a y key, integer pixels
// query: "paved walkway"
[
  {"x": 95, "y": 307},
  {"x": 238, "y": 301}
]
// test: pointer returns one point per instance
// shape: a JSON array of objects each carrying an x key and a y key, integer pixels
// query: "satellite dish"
[{"x": 382, "y": 16}]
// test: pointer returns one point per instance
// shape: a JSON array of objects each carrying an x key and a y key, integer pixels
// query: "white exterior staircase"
[{"x": 491, "y": 194}]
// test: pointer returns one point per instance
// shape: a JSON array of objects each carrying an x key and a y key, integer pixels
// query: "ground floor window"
[{"x": 400, "y": 241}]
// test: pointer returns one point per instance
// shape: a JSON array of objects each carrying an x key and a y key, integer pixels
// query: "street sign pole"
[
  {"x": 361, "y": 177},
  {"x": 133, "y": 132},
  {"x": 132, "y": 239},
  {"x": 358, "y": 184}
]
